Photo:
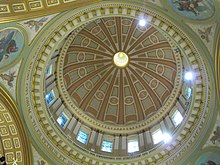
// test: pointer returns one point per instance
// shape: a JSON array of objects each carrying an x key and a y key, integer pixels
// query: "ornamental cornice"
[{"x": 20, "y": 10}]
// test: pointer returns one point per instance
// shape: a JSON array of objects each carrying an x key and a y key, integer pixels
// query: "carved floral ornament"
[{"x": 175, "y": 37}]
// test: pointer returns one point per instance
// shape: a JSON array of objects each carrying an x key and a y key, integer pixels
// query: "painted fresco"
[
  {"x": 216, "y": 135},
  {"x": 194, "y": 9},
  {"x": 34, "y": 26},
  {"x": 38, "y": 160},
  {"x": 209, "y": 158},
  {"x": 8, "y": 79},
  {"x": 206, "y": 32},
  {"x": 11, "y": 44},
  {"x": 214, "y": 138}
]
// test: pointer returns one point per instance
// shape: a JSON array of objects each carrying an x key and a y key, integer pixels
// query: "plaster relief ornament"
[
  {"x": 194, "y": 9},
  {"x": 205, "y": 34},
  {"x": 216, "y": 136},
  {"x": 36, "y": 24},
  {"x": 9, "y": 78}
]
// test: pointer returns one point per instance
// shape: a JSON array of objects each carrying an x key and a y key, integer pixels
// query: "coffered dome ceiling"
[
  {"x": 111, "y": 93},
  {"x": 107, "y": 78}
]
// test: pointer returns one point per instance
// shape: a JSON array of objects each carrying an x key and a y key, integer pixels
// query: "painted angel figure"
[
  {"x": 7, "y": 46},
  {"x": 186, "y": 5},
  {"x": 209, "y": 162}
]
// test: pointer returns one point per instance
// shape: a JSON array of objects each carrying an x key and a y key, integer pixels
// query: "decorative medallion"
[
  {"x": 11, "y": 44},
  {"x": 194, "y": 9}
]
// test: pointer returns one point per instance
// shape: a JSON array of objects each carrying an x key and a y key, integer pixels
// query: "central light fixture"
[{"x": 121, "y": 59}]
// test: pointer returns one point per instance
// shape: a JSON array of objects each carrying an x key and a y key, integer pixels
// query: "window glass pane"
[
  {"x": 62, "y": 120},
  {"x": 157, "y": 136},
  {"x": 188, "y": 92},
  {"x": 177, "y": 118},
  {"x": 82, "y": 137},
  {"x": 107, "y": 146},
  {"x": 50, "y": 97},
  {"x": 49, "y": 70},
  {"x": 133, "y": 146}
]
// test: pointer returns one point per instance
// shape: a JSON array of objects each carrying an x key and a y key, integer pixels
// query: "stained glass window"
[
  {"x": 106, "y": 146},
  {"x": 82, "y": 137},
  {"x": 62, "y": 120}
]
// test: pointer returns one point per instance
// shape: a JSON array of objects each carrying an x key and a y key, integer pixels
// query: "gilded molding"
[
  {"x": 22, "y": 146},
  {"x": 11, "y": 11},
  {"x": 217, "y": 66}
]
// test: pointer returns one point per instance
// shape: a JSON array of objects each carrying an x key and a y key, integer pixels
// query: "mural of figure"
[
  {"x": 189, "y": 6},
  {"x": 7, "y": 46},
  {"x": 194, "y": 9},
  {"x": 209, "y": 158},
  {"x": 216, "y": 136},
  {"x": 210, "y": 162},
  {"x": 11, "y": 44},
  {"x": 35, "y": 24}
]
